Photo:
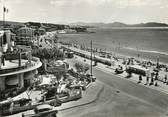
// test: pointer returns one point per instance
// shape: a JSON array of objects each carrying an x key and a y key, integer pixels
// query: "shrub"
[{"x": 81, "y": 67}]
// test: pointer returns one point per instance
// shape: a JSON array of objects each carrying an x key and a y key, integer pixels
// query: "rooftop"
[
  {"x": 13, "y": 64},
  {"x": 12, "y": 68}
]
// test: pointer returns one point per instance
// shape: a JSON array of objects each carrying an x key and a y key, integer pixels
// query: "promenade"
[{"x": 162, "y": 87}]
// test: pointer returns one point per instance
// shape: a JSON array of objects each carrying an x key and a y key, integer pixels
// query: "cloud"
[
  {"x": 138, "y": 3},
  {"x": 77, "y": 2},
  {"x": 42, "y": 10},
  {"x": 58, "y": 2},
  {"x": 13, "y": 1},
  {"x": 112, "y": 3}
]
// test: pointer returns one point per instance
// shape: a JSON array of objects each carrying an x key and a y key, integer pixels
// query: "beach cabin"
[{"x": 138, "y": 70}]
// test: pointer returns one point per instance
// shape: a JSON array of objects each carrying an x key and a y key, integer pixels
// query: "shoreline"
[
  {"x": 127, "y": 52},
  {"x": 86, "y": 54},
  {"x": 149, "y": 44}
]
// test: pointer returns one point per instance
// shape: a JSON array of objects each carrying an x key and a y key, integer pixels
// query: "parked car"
[
  {"x": 91, "y": 77},
  {"x": 119, "y": 70},
  {"x": 44, "y": 110}
]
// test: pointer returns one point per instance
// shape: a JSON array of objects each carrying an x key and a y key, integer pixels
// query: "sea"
[{"x": 145, "y": 43}]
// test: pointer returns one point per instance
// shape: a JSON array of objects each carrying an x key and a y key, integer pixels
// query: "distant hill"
[
  {"x": 11, "y": 23},
  {"x": 151, "y": 24},
  {"x": 86, "y": 25},
  {"x": 119, "y": 24}
]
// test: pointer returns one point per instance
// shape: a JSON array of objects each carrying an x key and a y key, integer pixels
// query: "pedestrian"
[
  {"x": 156, "y": 83},
  {"x": 165, "y": 79},
  {"x": 152, "y": 81},
  {"x": 140, "y": 79},
  {"x": 44, "y": 98},
  {"x": 147, "y": 80},
  {"x": 152, "y": 74},
  {"x": 156, "y": 76},
  {"x": 11, "y": 107},
  {"x": 23, "y": 115}
]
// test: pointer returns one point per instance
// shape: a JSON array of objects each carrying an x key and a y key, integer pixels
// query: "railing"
[{"x": 35, "y": 62}]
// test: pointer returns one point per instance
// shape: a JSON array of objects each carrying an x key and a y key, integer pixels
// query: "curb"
[{"x": 85, "y": 103}]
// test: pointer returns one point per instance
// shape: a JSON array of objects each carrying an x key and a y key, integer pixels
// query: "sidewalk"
[{"x": 88, "y": 96}]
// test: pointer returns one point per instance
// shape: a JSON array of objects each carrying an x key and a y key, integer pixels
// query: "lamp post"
[
  {"x": 157, "y": 64},
  {"x": 91, "y": 59}
]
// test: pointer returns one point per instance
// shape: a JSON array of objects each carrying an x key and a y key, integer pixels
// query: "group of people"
[{"x": 153, "y": 79}]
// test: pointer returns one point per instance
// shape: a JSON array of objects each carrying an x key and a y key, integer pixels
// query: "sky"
[{"x": 70, "y": 11}]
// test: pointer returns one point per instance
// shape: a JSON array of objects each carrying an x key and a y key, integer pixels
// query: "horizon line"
[{"x": 87, "y": 22}]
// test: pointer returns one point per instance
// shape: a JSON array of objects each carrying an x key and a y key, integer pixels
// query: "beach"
[{"x": 146, "y": 43}]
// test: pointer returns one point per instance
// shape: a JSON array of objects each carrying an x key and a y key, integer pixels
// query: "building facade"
[
  {"x": 17, "y": 65},
  {"x": 25, "y": 36}
]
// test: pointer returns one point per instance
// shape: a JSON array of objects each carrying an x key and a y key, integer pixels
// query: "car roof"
[{"x": 44, "y": 106}]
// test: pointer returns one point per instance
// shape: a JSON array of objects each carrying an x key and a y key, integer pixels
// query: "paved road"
[
  {"x": 122, "y": 98},
  {"x": 151, "y": 96},
  {"x": 133, "y": 100}
]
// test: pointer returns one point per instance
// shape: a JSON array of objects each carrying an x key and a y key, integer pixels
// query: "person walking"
[
  {"x": 11, "y": 107},
  {"x": 152, "y": 81},
  {"x": 165, "y": 79},
  {"x": 156, "y": 76},
  {"x": 140, "y": 79},
  {"x": 147, "y": 80},
  {"x": 44, "y": 98},
  {"x": 156, "y": 79}
]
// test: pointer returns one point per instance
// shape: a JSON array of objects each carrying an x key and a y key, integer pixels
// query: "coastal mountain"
[
  {"x": 119, "y": 24},
  {"x": 87, "y": 25},
  {"x": 151, "y": 24},
  {"x": 47, "y": 26},
  {"x": 115, "y": 24}
]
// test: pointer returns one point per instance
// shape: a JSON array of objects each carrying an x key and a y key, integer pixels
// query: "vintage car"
[
  {"x": 119, "y": 70},
  {"x": 72, "y": 94},
  {"x": 23, "y": 105},
  {"x": 44, "y": 110},
  {"x": 91, "y": 77}
]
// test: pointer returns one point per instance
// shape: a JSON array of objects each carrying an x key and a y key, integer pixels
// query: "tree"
[
  {"x": 81, "y": 67},
  {"x": 53, "y": 53}
]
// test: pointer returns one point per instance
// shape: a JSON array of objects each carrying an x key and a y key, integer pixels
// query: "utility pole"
[
  {"x": 91, "y": 59},
  {"x": 3, "y": 17},
  {"x": 5, "y": 10},
  {"x": 157, "y": 63}
]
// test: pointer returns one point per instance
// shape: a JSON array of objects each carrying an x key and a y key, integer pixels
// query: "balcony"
[{"x": 34, "y": 64}]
